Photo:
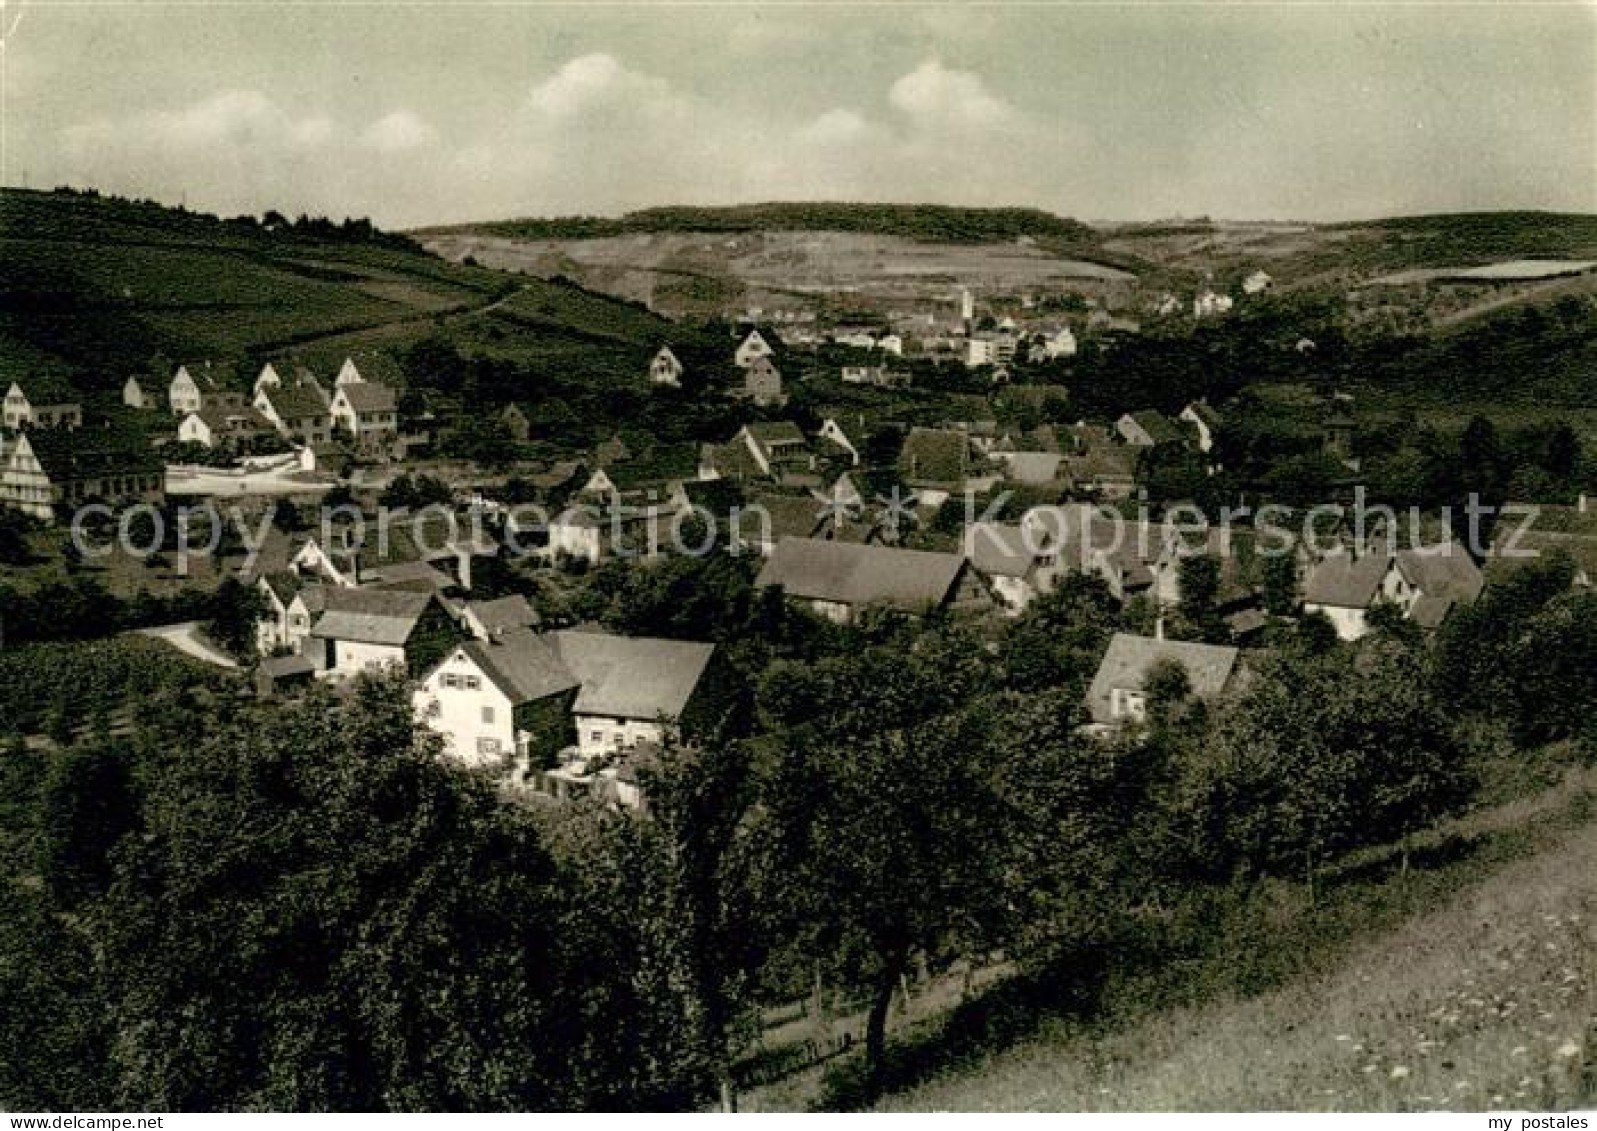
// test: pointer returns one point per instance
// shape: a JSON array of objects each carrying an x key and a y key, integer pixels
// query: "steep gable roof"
[
  {"x": 1343, "y": 581},
  {"x": 632, "y": 677},
  {"x": 524, "y": 665},
  {"x": 1159, "y": 427},
  {"x": 505, "y": 614},
  {"x": 934, "y": 455},
  {"x": 371, "y": 616},
  {"x": 368, "y": 396},
  {"x": 296, "y": 402},
  {"x": 1129, "y": 658},
  {"x": 1442, "y": 571}
]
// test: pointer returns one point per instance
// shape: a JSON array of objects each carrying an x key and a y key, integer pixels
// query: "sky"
[{"x": 423, "y": 113}]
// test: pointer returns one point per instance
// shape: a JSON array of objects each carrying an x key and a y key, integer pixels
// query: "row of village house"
[
  {"x": 49, "y": 459},
  {"x": 577, "y": 710},
  {"x": 510, "y": 696}
]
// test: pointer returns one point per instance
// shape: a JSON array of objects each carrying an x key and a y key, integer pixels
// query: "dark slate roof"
[
  {"x": 84, "y": 453},
  {"x": 1000, "y": 550},
  {"x": 369, "y": 396},
  {"x": 46, "y": 390},
  {"x": 1345, "y": 582},
  {"x": 774, "y": 433},
  {"x": 371, "y": 616},
  {"x": 1159, "y": 427},
  {"x": 850, "y": 574},
  {"x": 505, "y": 614},
  {"x": 296, "y": 402},
  {"x": 791, "y": 516},
  {"x": 934, "y": 455},
  {"x": 632, "y": 677},
  {"x": 718, "y": 496},
  {"x": 1128, "y": 659},
  {"x": 1443, "y": 570},
  {"x": 522, "y": 664}
]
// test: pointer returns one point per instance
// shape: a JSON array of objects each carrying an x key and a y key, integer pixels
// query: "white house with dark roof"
[
  {"x": 1344, "y": 585},
  {"x": 665, "y": 369},
  {"x": 486, "y": 620},
  {"x": 366, "y": 410},
  {"x": 371, "y": 629},
  {"x": 1018, "y": 562},
  {"x": 587, "y": 698},
  {"x": 41, "y": 404},
  {"x": 1118, "y": 693},
  {"x": 133, "y": 394},
  {"x": 300, "y": 411},
  {"x": 1428, "y": 582},
  {"x": 751, "y": 349}
]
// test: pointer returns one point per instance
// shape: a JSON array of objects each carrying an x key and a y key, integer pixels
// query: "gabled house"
[
  {"x": 1205, "y": 421},
  {"x": 200, "y": 386},
  {"x": 348, "y": 374},
  {"x": 762, "y": 383},
  {"x": 367, "y": 411},
  {"x": 133, "y": 394},
  {"x": 43, "y": 403},
  {"x": 369, "y": 629},
  {"x": 1085, "y": 539},
  {"x": 223, "y": 428},
  {"x": 1428, "y": 582},
  {"x": 584, "y": 701},
  {"x": 839, "y": 580},
  {"x": 267, "y": 378},
  {"x": 665, "y": 369},
  {"x": 834, "y": 434},
  {"x": 299, "y": 412},
  {"x": 486, "y": 620},
  {"x": 1118, "y": 693},
  {"x": 1343, "y": 586},
  {"x": 938, "y": 459},
  {"x": 517, "y": 423},
  {"x": 752, "y": 349},
  {"x": 292, "y": 606},
  {"x": 1018, "y": 562},
  {"x": 52, "y": 467},
  {"x": 1147, "y": 428}
]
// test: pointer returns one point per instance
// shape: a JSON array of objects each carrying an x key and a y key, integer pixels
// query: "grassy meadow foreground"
[{"x": 1393, "y": 995}]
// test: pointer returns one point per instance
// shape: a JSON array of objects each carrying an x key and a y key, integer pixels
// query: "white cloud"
[
  {"x": 598, "y": 81},
  {"x": 933, "y": 94},
  {"x": 834, "y": 127},
  {"x": 397, "y": 132}
]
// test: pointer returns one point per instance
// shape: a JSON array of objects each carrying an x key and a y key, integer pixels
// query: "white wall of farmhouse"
[{"x": 476, "y": 719}]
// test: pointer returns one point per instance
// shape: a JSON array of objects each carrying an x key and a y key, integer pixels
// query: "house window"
[
  {"x": 451, "y": 681},
  {"x": 596, "y": 736},
  {"x": 434, "y": 709},
  {"x": 488, "y": 714},
  {"x": 470, "y": 682},
  {"x": 487, "y": 746}
]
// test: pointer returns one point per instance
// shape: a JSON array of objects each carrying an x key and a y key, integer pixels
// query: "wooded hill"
[{"x": 937, "y": 223}]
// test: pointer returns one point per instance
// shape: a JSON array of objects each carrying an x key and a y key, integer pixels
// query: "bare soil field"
[{"x": 659, "y": 269}]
